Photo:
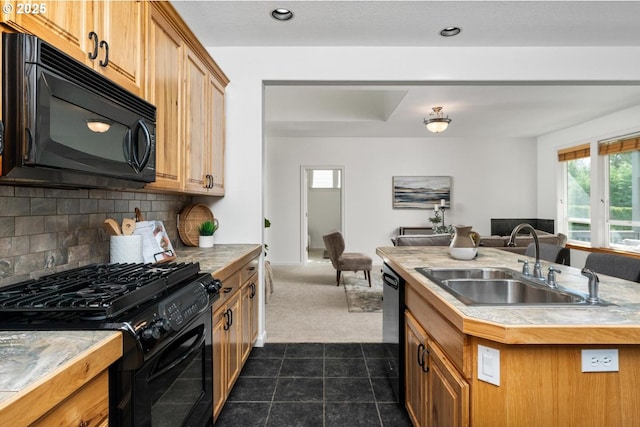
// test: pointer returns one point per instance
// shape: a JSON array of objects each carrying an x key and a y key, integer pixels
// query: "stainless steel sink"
[
  {"x": 499, "y": 291},
  {"x": 501, "y": 286},
  {"x": 467, "y": 273}
]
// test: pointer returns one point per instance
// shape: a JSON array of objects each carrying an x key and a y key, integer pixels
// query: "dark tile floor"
[{"x": 311, "y": 384}]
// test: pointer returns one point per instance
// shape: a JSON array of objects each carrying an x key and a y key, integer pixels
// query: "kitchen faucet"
[{"x": 537, "y": 269}]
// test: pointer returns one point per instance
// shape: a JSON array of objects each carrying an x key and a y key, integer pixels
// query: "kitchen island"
[{"x": 533, "y": 354}]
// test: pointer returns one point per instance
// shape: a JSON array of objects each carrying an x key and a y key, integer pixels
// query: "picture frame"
[{"x": 421, "y": 192}]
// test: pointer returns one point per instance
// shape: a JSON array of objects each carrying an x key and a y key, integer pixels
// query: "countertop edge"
[
  {"x": 236, "y": 263},
  {"x": 35, "y": 400},
  {"x": 593, "y": 334}
]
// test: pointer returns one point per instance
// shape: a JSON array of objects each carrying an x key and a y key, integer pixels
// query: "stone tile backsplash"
[{"x": 44, "y": 230}]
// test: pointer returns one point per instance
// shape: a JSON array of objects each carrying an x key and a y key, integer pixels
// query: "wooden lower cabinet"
[
  {"x": 234, "y": 330},
  {"x": 436, "y": 394},
  {"x": 87, "y": 407},
  {"x": 227, "y": 350},
  {"x": 249, "y": 315}
]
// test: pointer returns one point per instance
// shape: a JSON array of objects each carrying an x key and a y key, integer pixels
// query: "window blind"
[
  {"x": 576, "y": 152},
  {"x": 619, "y": 146}
]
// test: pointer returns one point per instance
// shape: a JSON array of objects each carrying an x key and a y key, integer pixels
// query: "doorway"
[{"x": 322, "y": 208}]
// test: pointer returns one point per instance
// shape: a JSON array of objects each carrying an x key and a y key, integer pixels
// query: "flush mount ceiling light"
[
  {"x": 450, "y": 31},
  {"x": 282, "y": 14},
  {"x": 98, "y": 125},
  {"x": 437, "y": 122}
]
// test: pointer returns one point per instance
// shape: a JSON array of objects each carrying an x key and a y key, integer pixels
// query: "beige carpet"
[{"x": 307, "y": 306}]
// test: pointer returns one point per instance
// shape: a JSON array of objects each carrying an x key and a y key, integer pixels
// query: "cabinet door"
[
  {"x": 197, "y": 124},
  {"x": 249, "y": 316},
  {"x": 246, "y": 321},
  {"x": 217, "y": 135},
  {"x": 121, "y": 25},
  {"x": 234, "y": 334},
  {"x": 163, "y": 89},
  {"x": 220, "y": 357},
  {"x": 62, "y": 24},
  {"x": 448, "y": 397},
  {"x": 415, "y": 377}
]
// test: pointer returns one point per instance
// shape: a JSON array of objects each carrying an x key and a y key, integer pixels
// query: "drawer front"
[
  {"x": 230, "y": 286},
  {"x": 248, "y": 270}
]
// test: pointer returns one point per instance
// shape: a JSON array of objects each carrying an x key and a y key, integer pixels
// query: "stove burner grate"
[{"x": 96, "y": 291}]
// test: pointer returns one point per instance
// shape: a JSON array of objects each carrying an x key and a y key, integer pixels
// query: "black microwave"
[{"x": 67, "y": 125}]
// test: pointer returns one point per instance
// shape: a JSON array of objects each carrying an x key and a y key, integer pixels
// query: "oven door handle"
[{"x": 181, "y": 358}]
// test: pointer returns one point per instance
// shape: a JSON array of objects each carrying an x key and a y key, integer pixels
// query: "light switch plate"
[
  {"x": 489, "y": 365},
  {"x": 600, "y": 360}
]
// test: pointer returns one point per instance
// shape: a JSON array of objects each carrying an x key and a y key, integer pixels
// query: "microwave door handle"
[
  {"x": 141, "y": 163},
  {"x": 127, "y": 150}
]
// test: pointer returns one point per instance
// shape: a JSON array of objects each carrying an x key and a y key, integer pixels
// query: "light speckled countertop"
[
  {"x": 619, "y": 323},
  {"x": 220, "y": 258},
  {"x": 27, "y": 357}
]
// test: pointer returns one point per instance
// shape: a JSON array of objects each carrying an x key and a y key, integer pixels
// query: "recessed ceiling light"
[
  {"x": 282, "y": 14},
  {"x": 450, "y": 32}
]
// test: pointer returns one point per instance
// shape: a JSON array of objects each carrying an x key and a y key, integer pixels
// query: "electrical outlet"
[{"x": 600, "y": 360}]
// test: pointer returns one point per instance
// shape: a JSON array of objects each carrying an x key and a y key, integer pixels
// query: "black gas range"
[{"x": 164, "y": 312}]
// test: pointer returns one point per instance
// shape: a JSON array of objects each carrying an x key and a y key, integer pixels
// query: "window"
[
  {"x": 577, "y": 209},
  {"x": 622, "y": 197},
  {"x": 326, "y": 178}
]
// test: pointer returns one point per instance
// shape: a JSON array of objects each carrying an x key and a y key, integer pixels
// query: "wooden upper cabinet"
[
  {"x": 61, "y": 24},
  {"x": 217, "y": 132},
  {"x": 197, "y": 119},
  {"x": 164, "y": 75},
  {"x": 106, "y": 36},
  {"x": 119, "y": 27}
]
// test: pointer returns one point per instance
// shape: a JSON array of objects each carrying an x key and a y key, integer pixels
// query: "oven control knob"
[
  {"x": 162, "y": 325},
  {"x": 213, "y": 287},
  {"x": 150, "y": 333}
]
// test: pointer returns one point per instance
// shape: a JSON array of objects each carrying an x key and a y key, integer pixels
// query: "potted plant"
[{"x": 205, "y": 231}]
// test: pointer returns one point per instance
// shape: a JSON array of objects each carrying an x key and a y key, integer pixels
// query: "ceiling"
[{"x": 397, "y": 110}]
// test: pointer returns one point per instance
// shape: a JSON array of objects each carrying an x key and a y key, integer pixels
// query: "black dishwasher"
[{"x": 393, "y": 328}]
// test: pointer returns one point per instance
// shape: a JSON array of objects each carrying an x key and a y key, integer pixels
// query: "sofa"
[
  {"x": 522, "y": 241},
  {"x": 498, "y": 242}
]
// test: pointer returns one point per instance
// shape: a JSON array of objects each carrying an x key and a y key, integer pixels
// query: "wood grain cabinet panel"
[
  {"x": 190, "y": 130},
  {"x": 63, "y": 24},
  {"x": 436, "y": 394},
  {"x": 120, "y": 27},
  {"x": 197, "y": 124},
  {"x": 87, "y": 407},
  {"x": 249, "y": 315},
  {"x": 106, "y": 36},
  {"x": 164, "y": 90},
  {"x": 234, "y": 330}
]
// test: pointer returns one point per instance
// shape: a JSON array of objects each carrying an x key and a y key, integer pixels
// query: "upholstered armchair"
[{"x": 345, "y": 261}]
